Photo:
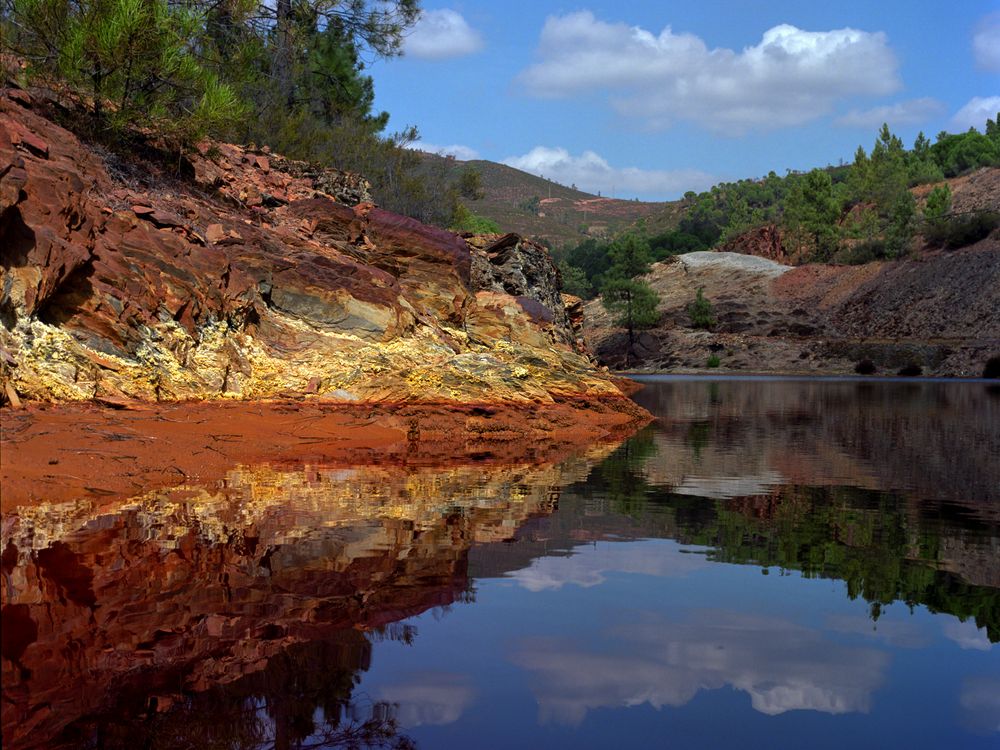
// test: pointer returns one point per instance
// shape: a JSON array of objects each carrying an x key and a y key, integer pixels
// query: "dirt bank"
[{"x": 936, "y": 314}]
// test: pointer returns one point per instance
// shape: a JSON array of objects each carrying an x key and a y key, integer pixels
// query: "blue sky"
[{"x": 649, "y": 99}]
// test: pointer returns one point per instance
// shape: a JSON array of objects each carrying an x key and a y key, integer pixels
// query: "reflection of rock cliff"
[
  {"x": 729, "y": 439},
  {"x": 124, "y": 281},
  {"x": 181, "y": 590}
]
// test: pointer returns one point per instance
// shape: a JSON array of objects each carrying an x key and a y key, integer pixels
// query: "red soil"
[{"x": 58, "y": 453}]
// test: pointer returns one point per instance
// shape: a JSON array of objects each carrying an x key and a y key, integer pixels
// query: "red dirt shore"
[{"x": 58, "y": 453}]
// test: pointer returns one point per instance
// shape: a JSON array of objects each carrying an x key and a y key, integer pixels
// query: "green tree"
[
  {"x": 138, "y": 61},
  {"x": 631, "y": 300},
  {"x": 574, "y": 281},
  {"x": 633, "y": 303},
  {"x": 812, "y": 211},
  {"x": 901, "y": 227},
  {"x": 701, "y": 312},
  {"x": 938, "y": 204},
  {"x": 470, "y": 184},
  {"x": 630, "y": 256},
  {"x": 920, "y": 164}
]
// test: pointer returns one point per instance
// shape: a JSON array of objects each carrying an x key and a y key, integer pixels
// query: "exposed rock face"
[
  {"x": 120, "y": 285},
  {"x": 939, "y": 312},
  {"x": 764, "y": 242},
  {"x": 512, "y": 265}
]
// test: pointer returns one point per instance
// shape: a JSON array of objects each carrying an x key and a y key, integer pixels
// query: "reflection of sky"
[
  {"x": 980, "y": 704},
  {"x": 429, "y": 699},
  {"x": 780, "y": 665},
  {"x": 589, "y": 566},
  {"x": 892, "y": 633},
  {"x": 966, "y": 634}
]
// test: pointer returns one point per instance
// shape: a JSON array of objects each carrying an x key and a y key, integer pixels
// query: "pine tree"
[
  {"x": 631, "y": 300},
  {"x": 811, "y": 213}
]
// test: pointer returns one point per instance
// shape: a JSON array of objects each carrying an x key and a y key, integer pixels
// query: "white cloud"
[
  {"x": 976, "y": 112},
  {"x": 460, "y": 152},
  {"x": 780, "y": 665},
  {"x": 430, "y": 699},
  {"x": 986, "y": 43},
  {"x": 980, "y": 704},
  {"x": 591, "y": 172},
  {"x": 791, "y": 77},
  {"x": 441, "y": 34},
  {"x": 588, "y": 566},
  {"x": 967, "y": 635},
  {"x": 902, "y": 113}
]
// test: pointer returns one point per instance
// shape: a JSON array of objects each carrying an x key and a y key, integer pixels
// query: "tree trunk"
[{"x": 283, "y": 54}]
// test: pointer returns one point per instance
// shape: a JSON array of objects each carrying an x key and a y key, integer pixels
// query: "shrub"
[
  {"x": 713, "y": 361},
  {"x": 860, "y": 253},
  {"x": 962, "y": 229},
  {"x": 466, "y": 221},
  {"x": 700, "y": 311}
]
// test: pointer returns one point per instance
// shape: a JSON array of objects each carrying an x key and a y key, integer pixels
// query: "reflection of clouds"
[
  {"x": 898, "y": 634},
  {"x": 431, "y": 698},
  {"x": 725, "y": 488},
  {"x": 587, "y": 566},
  {"x": 980, "y": 703},
  {"x": 780, "y": 665},
  {"x": 967, "y": 635}
]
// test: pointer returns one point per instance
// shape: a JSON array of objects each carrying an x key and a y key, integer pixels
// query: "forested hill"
[
  {"x": 543, "y": 209},
  {"x": 890, "y": 202}
]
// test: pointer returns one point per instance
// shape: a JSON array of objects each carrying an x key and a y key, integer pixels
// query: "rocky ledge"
[{"x": 251, "y": 277}]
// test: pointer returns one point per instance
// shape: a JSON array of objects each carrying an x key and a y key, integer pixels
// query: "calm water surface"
[{"x": 771, "y": 564}]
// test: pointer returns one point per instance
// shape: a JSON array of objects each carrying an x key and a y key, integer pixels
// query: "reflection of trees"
[
  {"x": 876, "y": 542},
  {"x": 301, "y": 699}
]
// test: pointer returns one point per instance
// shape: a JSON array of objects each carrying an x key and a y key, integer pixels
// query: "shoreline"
[
  {"x": 793, "y": 375},
  {"x": 62, "y": 452}
]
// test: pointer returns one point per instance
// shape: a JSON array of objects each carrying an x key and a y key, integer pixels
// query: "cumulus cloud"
[
  {"x": 442, "y": 34},
  {"x": 430, "y": 699},
  {"x": 588, "y": 566},
  {"x": 967, "y": 635},
  {"x": 591, "y": 172},
  {"x": 902, "y": 113},
  {"x": 791, "y": 77},
  {"x": 460, "y": 152},
  {"x": 976, "y": 112},
  {"x": 986, "y": 43},
  {"x": 780, "y": 665}
]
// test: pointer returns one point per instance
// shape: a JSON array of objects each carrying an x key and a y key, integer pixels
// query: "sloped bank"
[
  {"x": 252, "y": 280},
  {"x": 936, "y": 314}
]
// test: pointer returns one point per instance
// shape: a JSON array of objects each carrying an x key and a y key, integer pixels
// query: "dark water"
[{"x": 771, "y": 564}]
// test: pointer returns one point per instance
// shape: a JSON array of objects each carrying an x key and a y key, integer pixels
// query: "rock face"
[
  {"x": 939, "y": 314},
  {"x": 124, "y": 282}
]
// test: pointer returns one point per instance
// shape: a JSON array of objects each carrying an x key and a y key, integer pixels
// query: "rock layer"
[{"x": 123, "y": 282}]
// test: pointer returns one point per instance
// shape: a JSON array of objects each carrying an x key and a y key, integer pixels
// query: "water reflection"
[
  {"x": 254, "y": 600},
  {"x": 381, "y": 607},
  {"x": 780, "y": 665}
]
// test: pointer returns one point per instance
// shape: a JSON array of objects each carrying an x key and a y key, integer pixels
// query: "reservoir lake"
[{"x": 770, "y": 563}]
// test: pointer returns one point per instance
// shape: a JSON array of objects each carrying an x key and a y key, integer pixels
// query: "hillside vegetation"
[
  {"x": 882, "y": 206},
  {"x": 288, "y": 75}
]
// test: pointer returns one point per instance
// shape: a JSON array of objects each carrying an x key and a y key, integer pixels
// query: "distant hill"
[{"x": 545, "y": 210}]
